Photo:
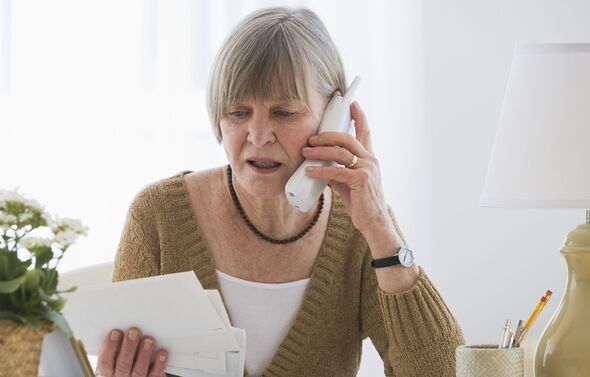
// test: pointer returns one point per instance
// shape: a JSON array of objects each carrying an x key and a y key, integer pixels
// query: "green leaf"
[
  {"x": 17, "y": 298},
  {"x": 12, "y": 285},
  {"x": 10, "y": 315},
  {"x": 59, "y": 321},
  {"x": 42, "y": 256},
  {"x": 33, "y": 321},
  {"x": 56, "y": 305},
  {"x": 50, "y": 300},
  {"x": 51, "y": 282},
  {"x": 33, "y": 279},
  {"x": 69, "y": 290},
  {"x": 4, "y": 271},
  {"x": 11, "y": 267},
  {"x": 5, "y": 303}
]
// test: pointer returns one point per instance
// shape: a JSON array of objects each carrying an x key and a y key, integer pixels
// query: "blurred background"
[{"x": 98, "y": 99}]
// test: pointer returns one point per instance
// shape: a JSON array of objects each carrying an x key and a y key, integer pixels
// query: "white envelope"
[
  {"x": 205, "y": 360},
  {"x": 216, "y": 341},
  {"x": 58, "y": 359},
  {"x": 215, "y": 298},
  {"x": 235, "y": 361},
  {"x": 173, "y": 308}
]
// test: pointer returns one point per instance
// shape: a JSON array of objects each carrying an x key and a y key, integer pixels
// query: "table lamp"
[{"x": 541, "y": 159}]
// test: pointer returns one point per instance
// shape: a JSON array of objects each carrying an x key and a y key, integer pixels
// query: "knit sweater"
[{"x": 414, "y": 331}]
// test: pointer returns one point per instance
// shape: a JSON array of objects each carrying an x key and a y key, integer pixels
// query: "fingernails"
[
  {"x": 132, "y": 335},
  {"x": 313, "y": 138},
  {"x": 162, "y": 357},
  {"x": 147, "y": 344},
  {"x": 115, "y": 335},
  {"x": 310, "y": 168},
  {"x": 306, "y": 149}
]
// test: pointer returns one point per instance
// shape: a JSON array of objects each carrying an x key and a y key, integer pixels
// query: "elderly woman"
[{"x": 302, "y": 284}]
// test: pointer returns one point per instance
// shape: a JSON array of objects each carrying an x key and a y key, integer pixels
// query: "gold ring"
[{"x": 353, "y": 162}]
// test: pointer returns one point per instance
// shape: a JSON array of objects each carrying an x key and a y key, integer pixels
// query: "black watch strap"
[{"x": 385, "y": 262}]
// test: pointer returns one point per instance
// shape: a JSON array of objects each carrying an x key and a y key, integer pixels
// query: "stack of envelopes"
[{"x": 191, "y": 323}]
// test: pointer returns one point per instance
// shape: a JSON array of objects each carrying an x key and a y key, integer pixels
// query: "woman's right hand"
[{"x": 129, "y": 355}]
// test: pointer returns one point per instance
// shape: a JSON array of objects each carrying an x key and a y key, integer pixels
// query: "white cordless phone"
[{"x": 303, "y": 191}]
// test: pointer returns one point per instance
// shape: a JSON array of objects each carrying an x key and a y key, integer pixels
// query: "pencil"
[{"x": 534, "y": 315}]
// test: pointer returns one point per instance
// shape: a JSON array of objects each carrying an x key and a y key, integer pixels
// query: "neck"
[{"x": 274, "y": 216}]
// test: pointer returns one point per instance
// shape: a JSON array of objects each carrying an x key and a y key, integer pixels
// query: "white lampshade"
[{"x": 541, "y": 154}]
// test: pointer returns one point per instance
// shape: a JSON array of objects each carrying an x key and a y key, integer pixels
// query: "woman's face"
[{"x": 272, "y": 132}]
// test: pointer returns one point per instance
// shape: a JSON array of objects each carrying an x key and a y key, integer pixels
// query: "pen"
[
  {"x": 517, "y": 332},
  {"x": 534, "y": 315},
  {"x": 510, "y": 340},
  {"x": 505, "y": 335}
]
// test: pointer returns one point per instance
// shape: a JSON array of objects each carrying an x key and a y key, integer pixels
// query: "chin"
[{"x": 262, "y": 185}]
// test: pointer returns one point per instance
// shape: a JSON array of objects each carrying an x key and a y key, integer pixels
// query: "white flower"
[
  {"x": 66, "y": 238},
  {"x": 7, "y": 219},
  {"x": 47, "y": 216},
  {"x": 28, "y": 242},
  {"x": 33, "y": 203},
  {"x": 14, "y": 196},
  {"x": 8, "y": 195},
  {"x": 73, "y": 225}
]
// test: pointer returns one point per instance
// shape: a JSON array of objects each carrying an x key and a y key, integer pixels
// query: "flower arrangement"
[{"x": 28, "y": 264}]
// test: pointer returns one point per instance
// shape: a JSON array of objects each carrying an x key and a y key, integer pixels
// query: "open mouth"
[{"x": 264, "y": 165}]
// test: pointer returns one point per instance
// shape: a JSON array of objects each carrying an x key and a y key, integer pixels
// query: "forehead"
[{"x": 269, "y": 102}]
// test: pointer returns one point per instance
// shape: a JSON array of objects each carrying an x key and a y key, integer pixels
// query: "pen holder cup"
[{"x": 487, "y": 360}]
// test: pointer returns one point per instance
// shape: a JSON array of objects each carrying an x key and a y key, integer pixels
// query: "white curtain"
[{"x": 98, "y": 98}]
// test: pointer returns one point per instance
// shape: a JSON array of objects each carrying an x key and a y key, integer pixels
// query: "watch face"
[{"x": 406, "y": 257}]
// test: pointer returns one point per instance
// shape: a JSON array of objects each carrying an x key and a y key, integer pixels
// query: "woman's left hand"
[{"x": 359, "y": 186}]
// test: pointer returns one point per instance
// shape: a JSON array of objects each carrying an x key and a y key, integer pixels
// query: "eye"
[
  {"x": 284, "y": 114},
  {"x": 238, "y": 114}
]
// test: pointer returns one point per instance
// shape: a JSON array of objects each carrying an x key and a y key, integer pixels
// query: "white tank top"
[{"x": 265, "y": 311}]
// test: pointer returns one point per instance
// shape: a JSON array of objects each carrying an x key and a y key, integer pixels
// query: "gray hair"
[{"x": 274, "y": 54}]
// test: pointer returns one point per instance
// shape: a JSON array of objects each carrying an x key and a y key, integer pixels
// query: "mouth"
[{"x": 270, "y": 165}]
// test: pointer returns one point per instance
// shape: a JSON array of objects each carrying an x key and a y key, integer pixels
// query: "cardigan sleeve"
[
  {"x": 414, "y": 331},
  {"x": 138, "y": 252}
]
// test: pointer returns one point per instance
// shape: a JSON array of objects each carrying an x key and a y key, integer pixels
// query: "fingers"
[
  {"x": 340, "y": 155},
  {"x": 361, "y": 126},
  {"x": 352, "y": 178},
  {"x": 160, "y": 364},
  {"x": 144, "y": 357},
  {"x": 339, "y": 139},
  {"x": 118, "y": 355},
  {"x": 127, "y": 353},
  {"x": 108, "y": 353}
]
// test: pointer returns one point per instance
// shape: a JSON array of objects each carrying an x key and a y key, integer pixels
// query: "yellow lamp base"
[{"x": 564, "y": 347}]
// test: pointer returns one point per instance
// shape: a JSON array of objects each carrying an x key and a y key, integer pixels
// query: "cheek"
[
  {"x": 233, "y": 140},
  {"x": 296, "y": 139}
]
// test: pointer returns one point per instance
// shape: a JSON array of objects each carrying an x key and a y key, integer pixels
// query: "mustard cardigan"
[{"x": 414, "y": 331}]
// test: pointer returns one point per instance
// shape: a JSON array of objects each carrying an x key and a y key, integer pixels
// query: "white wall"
[
  {"x": 432, "y": 95},
  {"x": 489, "y": 264}
]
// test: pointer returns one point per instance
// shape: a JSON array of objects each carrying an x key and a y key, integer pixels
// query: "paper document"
[
  {"x": 235, "y": 361},
  {"x": 189, "y": 322}
]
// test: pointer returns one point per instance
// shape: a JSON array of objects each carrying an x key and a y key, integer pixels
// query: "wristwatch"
[{"x": 405, "y": 257}]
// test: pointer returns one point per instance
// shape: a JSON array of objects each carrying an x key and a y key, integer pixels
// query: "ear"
[{"x": 337, "y": 93}]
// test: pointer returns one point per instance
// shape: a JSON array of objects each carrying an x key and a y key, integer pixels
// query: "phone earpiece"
[{"x": 303, "y": 191}]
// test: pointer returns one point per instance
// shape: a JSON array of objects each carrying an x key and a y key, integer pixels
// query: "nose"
[{"x": 260, "y": 131}]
